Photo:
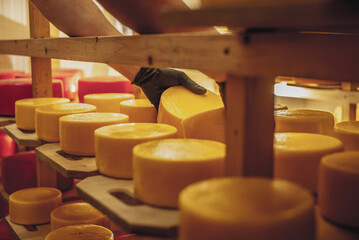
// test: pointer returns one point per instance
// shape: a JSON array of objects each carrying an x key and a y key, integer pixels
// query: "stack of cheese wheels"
[
  {"x": 348, "y": 133},
  {"x": 77, "y": 131},
  {"x": 246, "y": 208},
  {"x": 81, "y": 232},
  {"x": 279, "y": 106},
  {"x": 175, "y": 163},
  {"x": 304, "y": 120},
  {"x": 107, "y": 102},
  {"x": 177, "y": 104},
  {"x": 139, "y": 110},
  {"x": 297, "y": 156},
  {"x": 77, "y": 213},
  {"x": 47, "y": 118},
  {"x": 114, "y": 144},
  {"x": 338, "y": 194},
  {"x": 33, "y": 205},
  {"x": 25, "y": 110}
]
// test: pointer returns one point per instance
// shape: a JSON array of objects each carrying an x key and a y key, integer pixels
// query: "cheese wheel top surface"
[
  {"x": 81, "y": 232},
  {"x": 41, "y": 101},
  {"x": 137, "y": 103},
  {"x": 76, "y": 211},
  {"x": 66, "y": 108},
  {"x": 93, "y": 117},
  {"x": 348, "y": 127},
  {"x": 38, "y": 194},
  {"x": 246, "y": 199},
  {"x": 343, "y": 161},
  {"x": 181, "y": 150},
  {"x": 304, "y": 114},
  {"x": 108, "y": 95}
]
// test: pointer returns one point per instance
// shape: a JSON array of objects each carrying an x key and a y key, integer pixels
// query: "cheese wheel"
[
  {"x": 348, "y": 133},
  {"x": 297, "y": 156},
  {"x": 175, "y": 163},
  {"x": 304, "y": 120},
  {"x": 7, "y": 145},
  {"x": 338, "y": 194},
  {"x": 246, "y": 208},
  {"x": 81, "y": 232},
  {"x": 114, "y": 144},
  {"x": 107, "y": 102},
  {"x": 139, "y": 110},
  {"x": 32, "y": 206},
  {"x": 178, "y": 103},
  {"x": 279, "y": 106},
  {"x": 47, "y": 118},
  {"x": 77, "y": 213},
  {"x": 9, "y": 74},
  {"x": 25, "y": 110},
  {"x": 77, "y": 131}
]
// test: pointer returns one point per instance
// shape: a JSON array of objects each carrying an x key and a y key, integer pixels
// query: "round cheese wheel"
[
  {"x": 163, "y": 168},
  {"x": 7, "y": 145},
  {"x": 279, "y": 106},
  {"x": 304, "y": 120},
  {"x": 81, "y": 232},
  {"x": 114, "y": 144},
  {"x": 25, "y": 110},
  {"x": 246, "y": 208},
  {"x": 33, "y": 205},
  {"x": 297, "y": 156},
  {"x": 77, "y": 213},
  {"x": 348, "y": 133},
  {"x": 338, "y": 194},
  {"x": 107, "y": 102},
  {"x": 77, "y": 131},
  {"x": 9, "y": 74},
  {"x": 139, "y": 110},
  {"x": 47, "y": 118}
]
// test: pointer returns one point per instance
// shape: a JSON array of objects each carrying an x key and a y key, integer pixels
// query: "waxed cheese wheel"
[
  {"x": 81, "y": 232},
  {"x": 77, "y": 131},
  {"x": 32, "y": 206},
  {"x": 114, "y": 144},
  {"x": 163, "y": 168},
  {"x": 25, "y": 110},
  {"x": 246, "y": 208},
  {"x": 9, "y": 74},
  {"x": 47, "y": 118},
  {"x": 304, "y": 120},
  {"x": 107, "y": 102},
  {"x": 139, "y": 110},
  {"x": 338, "y": 194},
  {"x": 348, "y": 133},
  {"x": 297, "y": 156},
  {"x": 77, "y": 213}
]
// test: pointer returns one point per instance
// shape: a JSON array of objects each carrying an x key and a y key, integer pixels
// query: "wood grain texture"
[
  {"x": 23, "y": 138},
  {"x": 6, "y": 121},
  {"x": 39, "y": 233}
]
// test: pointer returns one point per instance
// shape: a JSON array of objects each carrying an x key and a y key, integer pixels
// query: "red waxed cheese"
[
  {"x": 7, "y": 145},
  {"x": 9, "y": 74}
]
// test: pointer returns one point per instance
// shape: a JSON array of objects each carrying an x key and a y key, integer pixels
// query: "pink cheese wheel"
[
  {"x": 9, "y": 74},
  {"x": 7, "y": 145}
]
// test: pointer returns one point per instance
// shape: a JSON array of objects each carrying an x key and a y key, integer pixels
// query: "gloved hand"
[
  {"x": 222, "y": 91},
  {"x": 154, "y": 81}
]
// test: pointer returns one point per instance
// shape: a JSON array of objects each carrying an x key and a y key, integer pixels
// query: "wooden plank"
[
  {"x": 66, "y": 164},
  {"x": 350, "y": 110},
  {"x": 6, "y": 121},
  {"x": 38, "y": 232},
  {"x": 115, "y": 198},
  {"x": 22, "y": 137}
]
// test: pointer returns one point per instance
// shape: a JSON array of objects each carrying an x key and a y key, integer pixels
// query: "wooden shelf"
[
  {"x": 115, "y": 198},
  {"x": 66, "y": 164},
  {"x": 23, "y": 138},
  {"x": 32, "y": 232},
  {"x": 6, "y": 121}
]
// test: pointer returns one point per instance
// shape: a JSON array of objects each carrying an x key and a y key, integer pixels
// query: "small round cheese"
[
  {"x": 25, "y": 110},
  {"x": 338, "y": 193},
  {"x": 32, "y": 206},
  {"x": 47, "y": 118},
  {"x": 304, "y": 120},
  {"x": 77, "y": 131},
  {"x": 113, "y": 145},
  {"x": 163, "y": 168},
  {"x": 139, "y": 110},
  {"x": 348, "y": 133},
  {"x": 297, "y": 156},
  {"x": 77, "y": 213},
  {"x": 246, "y": 208},
  {"x": 81, "y": 232},
  {"x": 107, "y": 102}
]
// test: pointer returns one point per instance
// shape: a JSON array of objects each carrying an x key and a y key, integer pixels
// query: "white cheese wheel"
[
  {"x": 139, "y": 110},
  {"x": 348, "y": 133},
  {"x": 107, "y": 102},
  {"x": 81, "y": 232}
]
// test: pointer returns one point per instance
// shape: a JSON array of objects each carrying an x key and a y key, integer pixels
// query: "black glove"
[
  {"x": 154, "y": 82},
  {"x": 222, "y": 91}
]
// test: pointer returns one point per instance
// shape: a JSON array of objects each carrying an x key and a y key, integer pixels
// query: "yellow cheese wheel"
[
  {"x": 77, "y": 131},
  {"x": 338, "y": 194},
  {"x": 297, "y": 156},
  {"x": 32, "y": 206},
  {"x": 139, "y": 110},
  {"x": 114, "y": 144},
  {"x": 348, "y": 133},
  {"x": 107, "y": 102},
  {"x": 279, "y": 106},
  {"x": 25, "y": 110},
  {"x": 47, "y": 118},
  {"x": 77, "y": 213},
  {"x": 246, "y": 208},
  {"x": 304, "y": 120},
  {"x": 81, "y": 232},
  {"x": 178, "y": 103},
  {"x": 163, "y": 168}
]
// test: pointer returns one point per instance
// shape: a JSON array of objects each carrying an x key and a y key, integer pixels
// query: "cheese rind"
[
  {"x": 348, "y": 133},
  {"x": 246, "y": 208},
  {"x": 107, "y": 102},
  {"x": 81, "y": 232},
  {"x": 163, "y": 168},
  {"x": 139, "y": 110}
]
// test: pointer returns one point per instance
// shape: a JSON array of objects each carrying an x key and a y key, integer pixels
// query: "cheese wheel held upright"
[
  {"x": 107, "y": 102},
  {"x": 348, "y": 133},
  {"x": 139, "y": 110},
  {"x": 81, "y": 232}
]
